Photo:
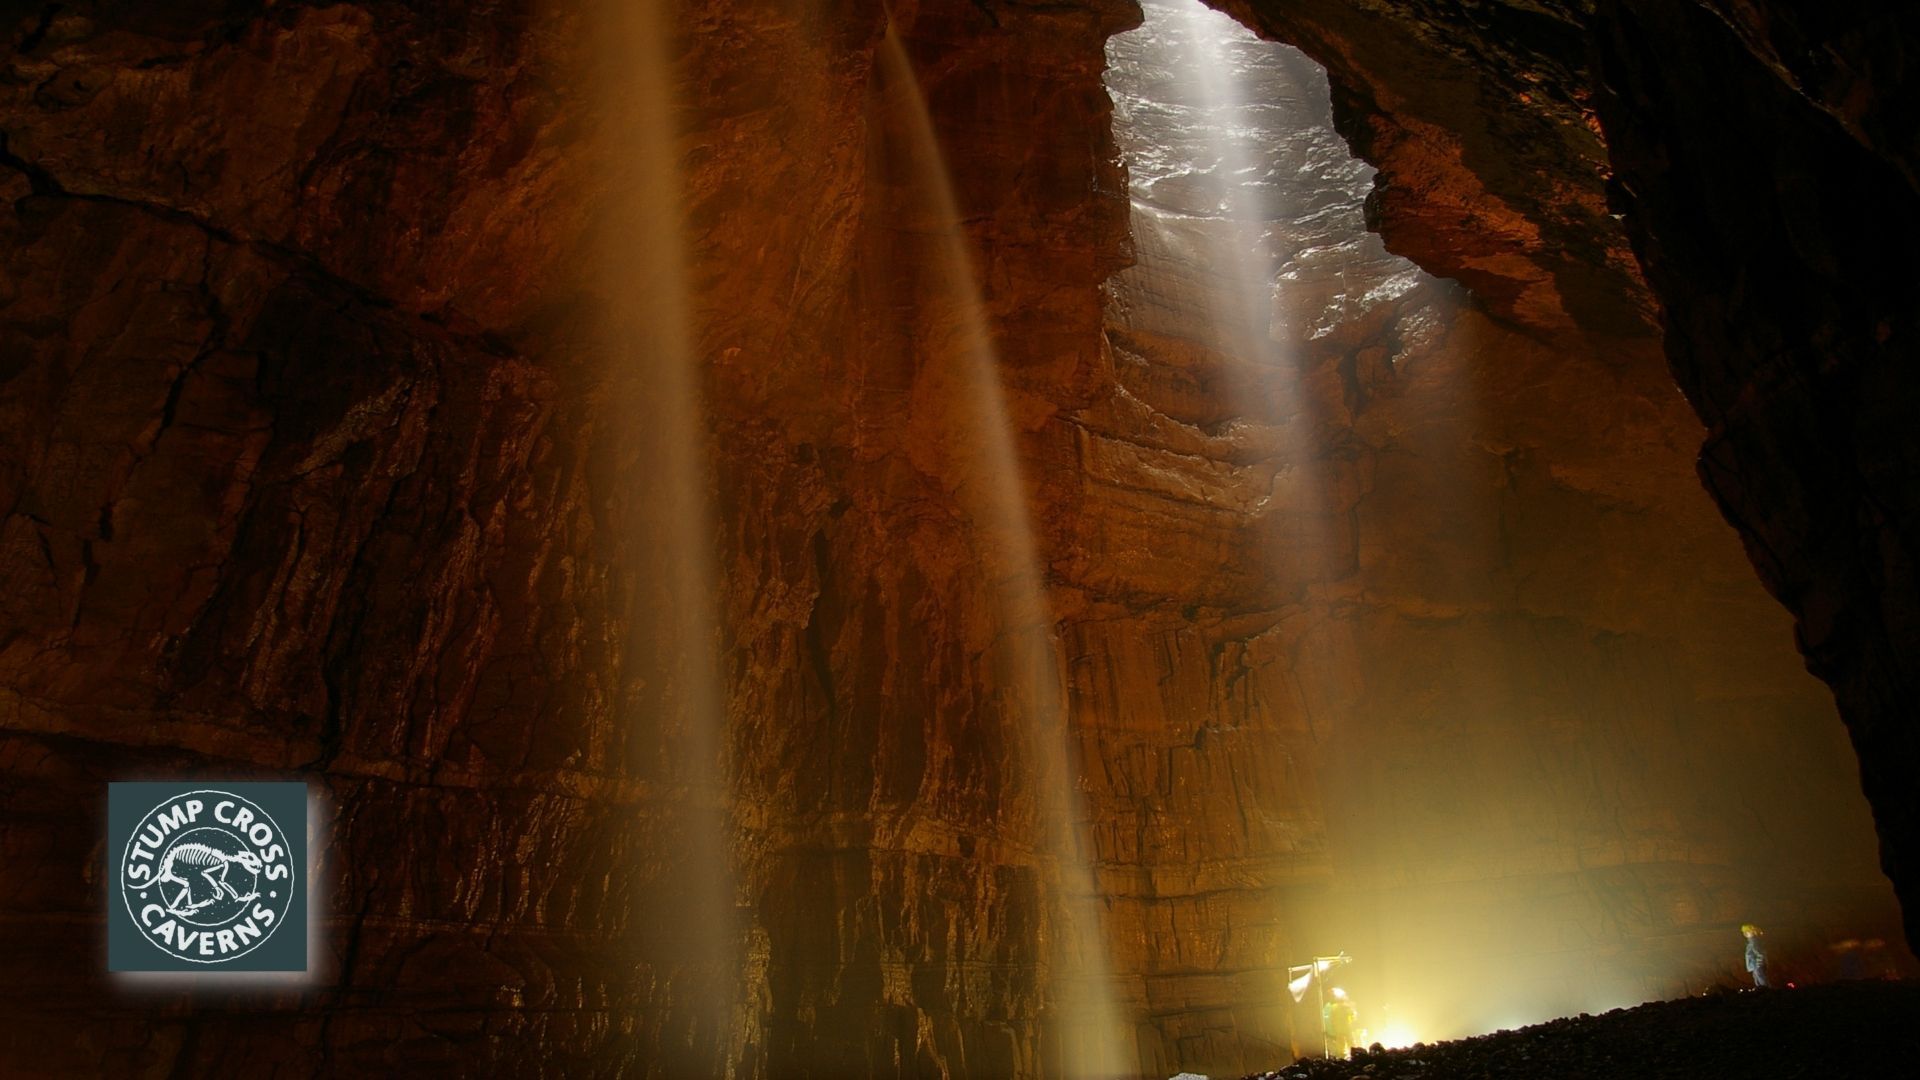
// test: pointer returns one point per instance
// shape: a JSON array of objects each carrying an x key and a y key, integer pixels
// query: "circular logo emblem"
[{"x": 207, "y": 876}]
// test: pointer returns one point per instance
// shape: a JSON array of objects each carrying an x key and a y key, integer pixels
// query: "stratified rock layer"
[
  {"x": 1479, "y": 629},
  {"x": 340, "y": 342},
  {"x": 1761, "y": 159}
]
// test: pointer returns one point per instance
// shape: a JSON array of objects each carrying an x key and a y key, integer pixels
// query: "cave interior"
[{"x": 960, "y": 538}]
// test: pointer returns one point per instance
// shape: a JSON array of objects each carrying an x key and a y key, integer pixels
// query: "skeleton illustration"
[{"x": 210, "y": 864}]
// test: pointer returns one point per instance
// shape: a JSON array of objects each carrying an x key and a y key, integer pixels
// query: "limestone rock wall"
[
  {"x": 281, "y": 500},
  {"x": 1478, "y": 625},
  {"x": 1774, "y": 206},
  {"x": 1492, "y": 165},
  {"x": 1759, "y": 159},
  {"x": 329, "y": 452}
]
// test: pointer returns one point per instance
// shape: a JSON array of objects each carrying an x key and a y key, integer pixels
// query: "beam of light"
[
  {"x": 1216, "y": 254},
  {"x": 1195, "y": 45},
  {"x": 961, "y": 388},
  {"x": 1231, "y": 238},
  {"x": 1514, "y": 831}
]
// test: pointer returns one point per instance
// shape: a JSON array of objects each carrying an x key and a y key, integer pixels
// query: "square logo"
[{"x": 207, "y": 876}]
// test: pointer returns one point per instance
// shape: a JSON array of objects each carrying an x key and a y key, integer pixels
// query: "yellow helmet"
[{"x": 1749, "y": 929}]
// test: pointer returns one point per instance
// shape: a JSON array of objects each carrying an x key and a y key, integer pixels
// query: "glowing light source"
[
  {"x": 1300, "y": 976},
  {"x": 1396, "y": 1035}
]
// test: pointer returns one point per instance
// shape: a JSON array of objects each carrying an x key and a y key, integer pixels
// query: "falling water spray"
[
  {"x": 965, "y": 387},
  {"x": 671, "y": 703}
]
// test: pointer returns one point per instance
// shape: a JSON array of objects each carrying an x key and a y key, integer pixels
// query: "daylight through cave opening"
[{"x": 1529, "y": 795}]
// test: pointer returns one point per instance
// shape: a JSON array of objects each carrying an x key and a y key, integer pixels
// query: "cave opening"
[{"x": 1546, "y": 767}]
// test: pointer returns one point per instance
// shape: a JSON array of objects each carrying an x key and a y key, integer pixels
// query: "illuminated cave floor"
[{"x": 1868, "y": 1029}]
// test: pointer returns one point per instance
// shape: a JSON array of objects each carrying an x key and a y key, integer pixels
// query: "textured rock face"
[
  {"x": 1774, "y": 205},
  {"x": 1762, "y": 163},
  {"x": 1488, "y": 679},
  {"x": 330, "y": 452},
  {"x": 1481, "y": 122},
  {"x": 911, "y": 909},
  {"x": 341, "y": 437},
  {"x": 282, "y": 501}
]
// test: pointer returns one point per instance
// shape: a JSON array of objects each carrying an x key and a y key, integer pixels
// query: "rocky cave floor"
[{"x": 1861, "y": 1029}]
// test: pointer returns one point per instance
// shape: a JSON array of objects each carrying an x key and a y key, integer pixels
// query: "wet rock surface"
[
  {"x": 1853, "y": 1030},
  {"x": 1742, "y": 176},
  {"x": 1775, "y": 207},
  {"x": 1435, "y": 545},
  {"x": 1481, "y": 121},
  {"x": 320, "y": 462}
]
